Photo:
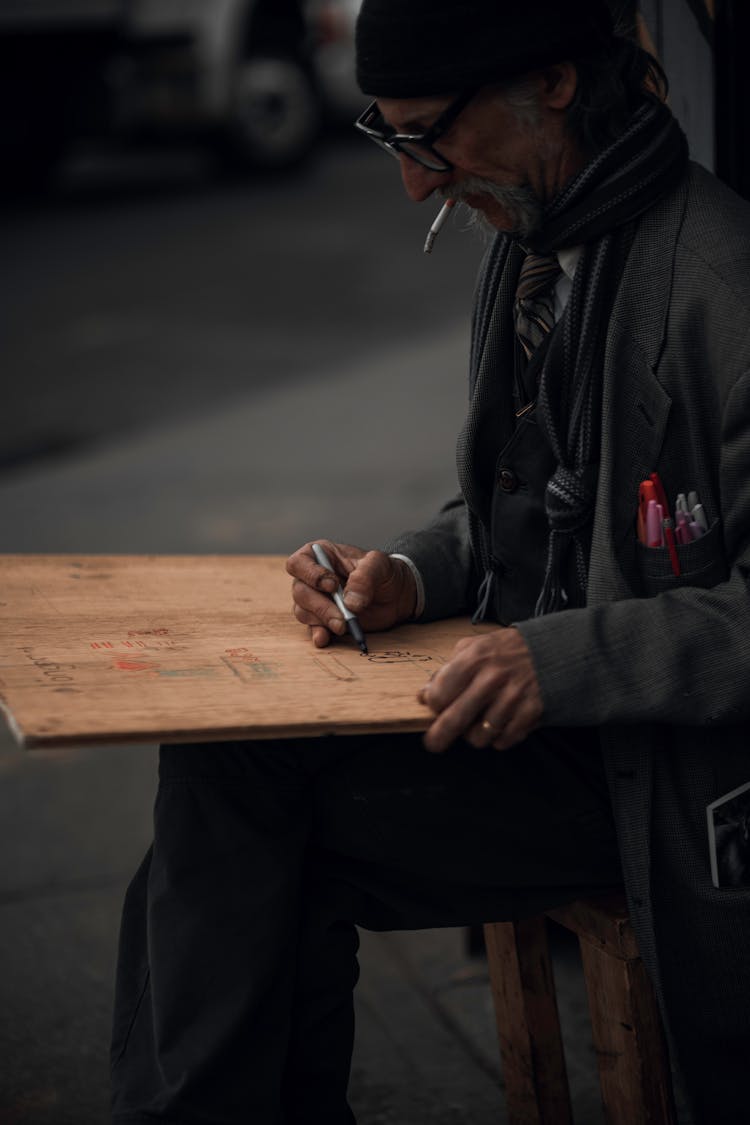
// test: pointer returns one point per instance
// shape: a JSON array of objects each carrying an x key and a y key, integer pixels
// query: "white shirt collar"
[{"x": 569, "y": 259}]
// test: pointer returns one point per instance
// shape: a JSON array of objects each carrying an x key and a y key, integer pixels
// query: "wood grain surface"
[{"x": 97, "y": 649}]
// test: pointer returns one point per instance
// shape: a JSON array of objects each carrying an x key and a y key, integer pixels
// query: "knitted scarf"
[{"x": 598, "y": 209}]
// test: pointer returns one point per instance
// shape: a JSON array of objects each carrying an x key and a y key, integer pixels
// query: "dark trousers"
[{"x": 238, "y": 944}]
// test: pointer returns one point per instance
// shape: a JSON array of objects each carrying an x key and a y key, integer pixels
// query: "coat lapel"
[{"x": 635, "y": 407}]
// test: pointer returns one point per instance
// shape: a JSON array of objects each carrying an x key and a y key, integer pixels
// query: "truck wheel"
[{"x": 275, "y": 117}]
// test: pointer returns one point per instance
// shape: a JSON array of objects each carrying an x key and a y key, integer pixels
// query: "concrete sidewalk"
[{"x": 353, "y": 454}]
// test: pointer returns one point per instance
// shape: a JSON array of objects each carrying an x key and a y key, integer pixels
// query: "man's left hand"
[{"x": 487, "y": 693}]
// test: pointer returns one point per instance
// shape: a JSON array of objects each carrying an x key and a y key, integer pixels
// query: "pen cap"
[
  {"x": 661, "y": 496},
  {"x": 700, "y": 516},
  {"x": 654, "y": 530},
  {"x": 321, "y": 557},
  {"x": 646, "y": 495}
]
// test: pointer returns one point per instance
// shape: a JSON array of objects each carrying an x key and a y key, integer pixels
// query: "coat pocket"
[{"x": 702, "y": 563}]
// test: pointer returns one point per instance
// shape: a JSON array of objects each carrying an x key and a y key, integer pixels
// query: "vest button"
[{"x": 508, "y": 480}]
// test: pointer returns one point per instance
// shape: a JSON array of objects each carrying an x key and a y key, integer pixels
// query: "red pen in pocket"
[
  {"x": 669, "y": 538},
  {"x": 646, "y": 492}
]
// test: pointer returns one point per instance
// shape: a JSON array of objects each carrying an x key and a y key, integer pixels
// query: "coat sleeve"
[
  {"x": 679, "y": 657},
  {"x": 441, "y": 551}
]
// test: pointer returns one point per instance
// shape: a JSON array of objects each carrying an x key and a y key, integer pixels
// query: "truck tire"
[{"x": 275, "y": 116}]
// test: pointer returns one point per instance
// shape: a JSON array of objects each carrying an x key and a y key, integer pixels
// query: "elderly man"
[{"x": 580, "y": 743}]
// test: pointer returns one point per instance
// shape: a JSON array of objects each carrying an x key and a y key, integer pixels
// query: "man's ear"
[{"x": 559, "y": 84}]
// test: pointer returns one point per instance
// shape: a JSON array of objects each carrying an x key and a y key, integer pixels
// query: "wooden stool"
[{"x": 634, "y": 1071}]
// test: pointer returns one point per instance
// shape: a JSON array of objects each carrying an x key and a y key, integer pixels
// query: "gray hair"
[{"x": 611, "y": 84}]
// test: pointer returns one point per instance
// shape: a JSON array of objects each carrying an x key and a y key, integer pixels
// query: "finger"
[
  {"x": 511, "y": 718},
  {"x": 472, "y": 657},
  {"x": 370, "y": 574},
  {"x": 304, "y": 567},
  {"x": 422, "y": 693},
  {"x": 488, "y": 730},
  {"x": 331, "y": 621},
  {"x": 458, "y": 719},
  {"x": 319, "y": 606},
  {"x": 523, "y": 722},
  {"x": 485, "y": 680},
  {"x": 320, "y": 636},
  {"x": 514, "y": 712},
  {"x": 448, "y": 682}
]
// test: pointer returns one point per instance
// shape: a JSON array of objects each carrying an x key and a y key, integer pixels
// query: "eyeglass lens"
[{"x": 374, "y": 126}]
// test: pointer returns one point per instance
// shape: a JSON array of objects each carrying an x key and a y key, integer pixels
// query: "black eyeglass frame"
[{"x": 398, "y": 143}]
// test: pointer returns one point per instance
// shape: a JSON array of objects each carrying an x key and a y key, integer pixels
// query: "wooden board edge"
[{"x": 71, "y": 741}]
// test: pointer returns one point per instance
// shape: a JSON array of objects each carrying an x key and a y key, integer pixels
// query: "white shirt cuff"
[{"x": 419, "y": 607}]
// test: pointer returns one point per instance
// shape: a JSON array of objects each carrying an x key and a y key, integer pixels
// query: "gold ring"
[{"x": 487, "y": 725}]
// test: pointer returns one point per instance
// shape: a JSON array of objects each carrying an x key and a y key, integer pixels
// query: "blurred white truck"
[{"x": 239, "y": 73}]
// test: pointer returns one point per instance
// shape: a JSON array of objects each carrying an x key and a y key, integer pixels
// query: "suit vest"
[{"x": 514, "y": 518}]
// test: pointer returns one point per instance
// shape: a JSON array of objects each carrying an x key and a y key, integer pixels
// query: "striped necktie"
[{"x": 534, "y": 305}]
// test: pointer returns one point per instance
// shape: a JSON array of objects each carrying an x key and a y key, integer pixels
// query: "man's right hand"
[{"x": 379, "y": 589}]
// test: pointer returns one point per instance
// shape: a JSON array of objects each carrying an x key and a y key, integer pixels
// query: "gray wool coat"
[{"x": 661, "y": 665}]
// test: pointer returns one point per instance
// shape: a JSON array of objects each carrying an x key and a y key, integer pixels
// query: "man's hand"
[
  {"x": 487, "y": 693},
  {"x": 380, "y": 590}
]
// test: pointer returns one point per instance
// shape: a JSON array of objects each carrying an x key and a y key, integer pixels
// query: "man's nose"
[{"x": 419, "y": 182}]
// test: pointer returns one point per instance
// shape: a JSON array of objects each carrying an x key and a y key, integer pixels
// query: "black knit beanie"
[{"x": 421, "y": 48}]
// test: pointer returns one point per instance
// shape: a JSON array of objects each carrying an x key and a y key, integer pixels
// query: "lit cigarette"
[{"x": 437, "y": 226}]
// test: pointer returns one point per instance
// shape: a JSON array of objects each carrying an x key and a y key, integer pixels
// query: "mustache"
[{"x": 518, "y": 200}]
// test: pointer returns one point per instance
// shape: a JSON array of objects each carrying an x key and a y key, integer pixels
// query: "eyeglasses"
[{"x": 417, "y": 146}]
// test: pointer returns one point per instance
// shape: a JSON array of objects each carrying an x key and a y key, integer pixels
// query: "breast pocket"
[{"x": 702, "y": 563}]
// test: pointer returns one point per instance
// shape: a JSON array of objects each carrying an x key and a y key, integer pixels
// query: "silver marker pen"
[
  {"x": 352, "y": 624},
  {"x": 437, "y": 226}
]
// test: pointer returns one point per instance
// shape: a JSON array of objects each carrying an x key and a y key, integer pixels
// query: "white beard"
[{"x": 520, "y": 203}]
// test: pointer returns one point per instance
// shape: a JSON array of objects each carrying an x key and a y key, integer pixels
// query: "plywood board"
[{"x": 97, "y": 649}]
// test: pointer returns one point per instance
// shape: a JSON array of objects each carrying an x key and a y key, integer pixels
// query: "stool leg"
[
  {"x": 528, "y": 1024},
  {"x": 634, "y": 1071}
]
